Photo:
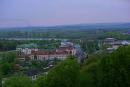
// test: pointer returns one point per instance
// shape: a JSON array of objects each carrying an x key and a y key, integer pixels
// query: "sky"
[{"x": 15, "y": 13}]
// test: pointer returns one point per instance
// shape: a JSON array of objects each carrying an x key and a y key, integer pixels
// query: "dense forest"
[
  {"x": 69, "y": 34},
  {"x": 83, "y": 31},
  {"x": 105, "y": 70}
]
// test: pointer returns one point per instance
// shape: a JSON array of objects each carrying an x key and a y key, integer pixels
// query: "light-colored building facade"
[{"x": 61, "y": 53}]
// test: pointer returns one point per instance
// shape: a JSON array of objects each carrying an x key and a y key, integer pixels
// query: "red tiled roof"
[
  {"x": 65, "y": 48},
  {"x": 58, "y": 51},
  {"x": 40, "y": 53},
  {"x": 48, "y": 53}
]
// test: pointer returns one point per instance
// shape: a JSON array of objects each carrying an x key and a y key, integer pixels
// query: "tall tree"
[
  {"x": 64, "y": 74},
  {"x": 18, "y": 81},
  {"x": 41, "y": 81}
]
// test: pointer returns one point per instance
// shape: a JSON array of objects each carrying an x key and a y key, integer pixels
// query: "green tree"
[
  {"x": 0, "y": 79},
  {"x": 65, "y": 74},
  {"x": 41, "y": 81},
  {"x": 110, "y": 70},
  {"x": 6, "y": 68},
  {"x": 89, "y": 76},
  {"x": 7, "y": 62},
  {"x": 114, "y": 69},
  {"x": 18, "y": 81},
  {"x": 8, "y": 57}
]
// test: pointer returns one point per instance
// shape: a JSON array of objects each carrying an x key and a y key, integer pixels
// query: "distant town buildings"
[
  {"x": 32, "y": 52},
  {"x": 113, "y": 44}
]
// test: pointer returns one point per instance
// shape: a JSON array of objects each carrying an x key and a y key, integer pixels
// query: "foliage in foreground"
[
  {"x": 111, "y": 70},
  {"x": 18, "y": 81}
]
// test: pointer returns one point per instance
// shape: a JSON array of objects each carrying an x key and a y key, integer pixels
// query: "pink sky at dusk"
[{"x": 60, "y": 12}]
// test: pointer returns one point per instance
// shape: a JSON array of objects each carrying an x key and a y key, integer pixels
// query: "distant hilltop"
[{"x": 72, "y": 27}]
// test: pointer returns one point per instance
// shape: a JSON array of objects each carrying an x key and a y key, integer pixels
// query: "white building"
[{"x": 60, "y": 53}]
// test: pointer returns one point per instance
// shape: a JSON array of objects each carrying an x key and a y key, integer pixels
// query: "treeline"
[
  {"x": 90, "y": 46},
  {"x": 75, "y": 33},
  {"x": 7, "y": 45},
  {"x": 106, "y": 70}
]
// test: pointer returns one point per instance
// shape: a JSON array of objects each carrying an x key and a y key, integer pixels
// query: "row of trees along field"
[
  {"x": 106, "y": 70},
  {"x": 7, "y": 45}
]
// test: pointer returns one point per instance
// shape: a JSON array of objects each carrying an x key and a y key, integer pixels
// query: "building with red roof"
[{"x": 60, "y": 53}]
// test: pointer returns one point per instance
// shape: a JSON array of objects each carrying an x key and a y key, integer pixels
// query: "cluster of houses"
[
  {"x": 113, "y": 44},
  {"x": 32, "y": 52}
]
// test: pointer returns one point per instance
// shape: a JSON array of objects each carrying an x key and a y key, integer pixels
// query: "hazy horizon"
[{"x": 20, "y": 13}]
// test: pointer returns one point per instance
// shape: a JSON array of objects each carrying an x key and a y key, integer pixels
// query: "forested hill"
[{"x": 72, "y": 27}]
